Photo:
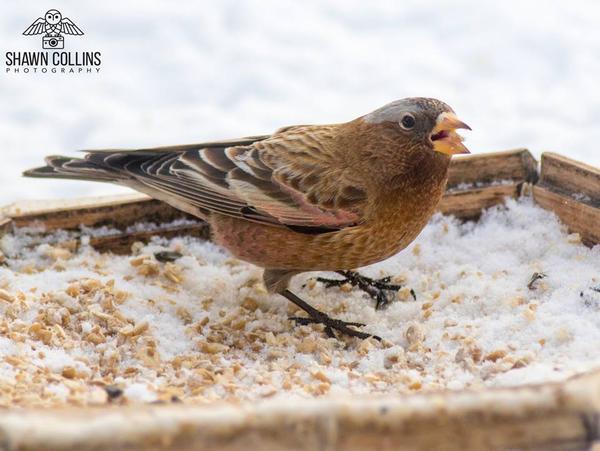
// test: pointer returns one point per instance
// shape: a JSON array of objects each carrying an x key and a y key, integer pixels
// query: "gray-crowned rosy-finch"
[{"x": 306, "y": 198}]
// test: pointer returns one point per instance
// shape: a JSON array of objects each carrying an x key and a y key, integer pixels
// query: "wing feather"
[
  {"x": 288, "y": 179},
  {"x": 217, "y": 145}
]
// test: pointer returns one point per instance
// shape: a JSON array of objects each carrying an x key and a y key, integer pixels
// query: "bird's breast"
[{"x": 394, "y": 227}]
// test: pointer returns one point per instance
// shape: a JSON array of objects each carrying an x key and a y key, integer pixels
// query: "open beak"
[{"x": 444, "y": 136}]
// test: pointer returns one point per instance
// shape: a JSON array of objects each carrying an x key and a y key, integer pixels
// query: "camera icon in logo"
[{"x": 53, "y": 42}]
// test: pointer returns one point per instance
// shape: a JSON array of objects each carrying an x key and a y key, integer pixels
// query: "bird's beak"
[{"x": 444, "y": 137}]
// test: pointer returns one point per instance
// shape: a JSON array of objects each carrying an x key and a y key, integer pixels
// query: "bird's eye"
[{"x": 407, "y": 122}]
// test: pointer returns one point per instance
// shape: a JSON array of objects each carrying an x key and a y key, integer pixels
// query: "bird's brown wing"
[
  {"x": 319, "y": 188},
  {"x": 288, "y": 179}
]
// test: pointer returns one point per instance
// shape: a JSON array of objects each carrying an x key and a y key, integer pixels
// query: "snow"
[
  {"x": 139, "y": 392},
  {"x": 519, "y": 73},
  {"x": 203, "y": 329}
]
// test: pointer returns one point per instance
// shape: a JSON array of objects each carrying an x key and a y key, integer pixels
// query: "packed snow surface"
[{"x": 83, "y": 327}]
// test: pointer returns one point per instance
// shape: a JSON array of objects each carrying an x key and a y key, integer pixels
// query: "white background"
[{"x": 521, "y": 73}]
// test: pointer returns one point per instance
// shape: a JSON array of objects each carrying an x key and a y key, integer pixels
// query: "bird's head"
[
  {"x": 423, "y": 121},
  {"x": 53, "y": 16}
]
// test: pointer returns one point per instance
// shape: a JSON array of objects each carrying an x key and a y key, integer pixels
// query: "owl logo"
[{"x": 54, "y": 25}]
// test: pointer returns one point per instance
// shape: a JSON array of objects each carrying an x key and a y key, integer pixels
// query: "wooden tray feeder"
[{"x": 546, "y": 416}]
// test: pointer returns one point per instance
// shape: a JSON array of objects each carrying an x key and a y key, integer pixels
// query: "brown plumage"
[{"x": 308, "y": 197}]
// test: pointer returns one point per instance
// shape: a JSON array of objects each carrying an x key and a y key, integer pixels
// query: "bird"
[
  {"x": 332, "y": 197},
  {"x": 53, "y": 24}
]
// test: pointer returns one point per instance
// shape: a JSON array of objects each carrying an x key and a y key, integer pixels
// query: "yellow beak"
[{"x": 444, "y": 137}]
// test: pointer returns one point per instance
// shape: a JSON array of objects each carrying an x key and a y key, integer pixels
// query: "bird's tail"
[{"x": 75, "y": 169}]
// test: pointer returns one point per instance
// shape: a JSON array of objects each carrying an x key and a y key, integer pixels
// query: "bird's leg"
[
  {"x": 376, "y": 288},
  {"x": 317, "y": 317}
]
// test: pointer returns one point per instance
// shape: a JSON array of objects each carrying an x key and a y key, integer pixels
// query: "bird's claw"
[
  {"x": 332, "y": 324},
  {"x": 318, "y": 317},
  {"x": 376, "y": 288},
  {"x": 331, "y": 282}
]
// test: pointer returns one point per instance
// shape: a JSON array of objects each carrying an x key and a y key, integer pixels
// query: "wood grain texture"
[
  {"x": 6, "y": 225},
  {"x": 473, "y": 181},
  {"x": 578, "y": 216},
  {"x": 517, "y": 165},
  {"x": 121, "y": 243},
  {"x": 558, "y": 416},
  {"x": 468, "y": 203},
  {"x": 570, "y": 176},
  {"x": 571, "y": 190},
  {"x": 117, "y": 214}
]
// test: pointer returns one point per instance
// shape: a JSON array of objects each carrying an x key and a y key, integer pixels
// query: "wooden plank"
[
  {"x": 477, "y": 182},
  {"x": 121, "y": 243},
  {"x": 468, "y": 203},
  {"x": 5, "y": 225},
  {"x": 552, "y": 415},
  {"x": 571, "y": 190},
  {"x": 578, "y": 216},
  {"x": 117, "y": 214},
  {"x": 566, "y": 175},
  {"x": 27, "y": 207},
  {"x": 517, "y": 165}
]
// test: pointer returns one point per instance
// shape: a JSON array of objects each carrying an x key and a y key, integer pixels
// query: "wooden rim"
[{"x": 559, "y": 416}]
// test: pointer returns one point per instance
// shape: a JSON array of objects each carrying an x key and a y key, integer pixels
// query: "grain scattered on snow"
[{"x": 83, "y": 328}]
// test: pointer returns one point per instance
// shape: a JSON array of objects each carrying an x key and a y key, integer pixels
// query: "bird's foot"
[
  {"x": 331, "y": 324},
  {"x": 376, "y": 288}
]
